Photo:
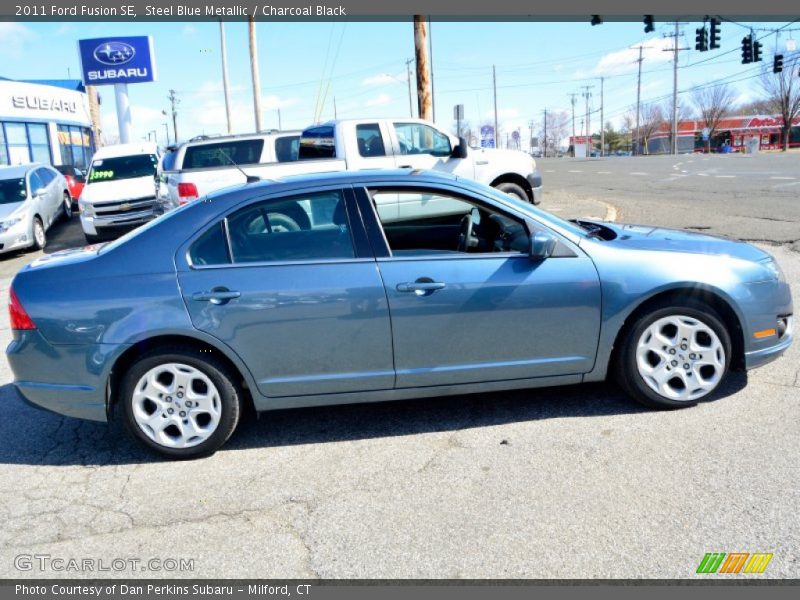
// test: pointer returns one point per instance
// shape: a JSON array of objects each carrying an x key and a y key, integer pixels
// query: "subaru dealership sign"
[{"x": 117, "y": 60}]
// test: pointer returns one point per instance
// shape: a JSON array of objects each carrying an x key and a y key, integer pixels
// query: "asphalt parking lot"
[{"x": 569, "y": 482}]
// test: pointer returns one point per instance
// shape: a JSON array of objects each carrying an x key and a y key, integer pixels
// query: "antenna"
[{"x": 248, "y": 178}]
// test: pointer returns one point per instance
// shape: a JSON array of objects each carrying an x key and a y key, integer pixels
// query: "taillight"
[
  {"x": 16, "y": 313},
  {"x": 186, "y": 192}
]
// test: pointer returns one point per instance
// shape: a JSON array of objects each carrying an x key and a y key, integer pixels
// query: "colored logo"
[
  {"x": 734, "y": 562},
  {"x": 114, "y": 53}
]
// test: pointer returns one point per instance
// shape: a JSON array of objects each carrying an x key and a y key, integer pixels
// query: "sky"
[{"x": 305, "y": 66}]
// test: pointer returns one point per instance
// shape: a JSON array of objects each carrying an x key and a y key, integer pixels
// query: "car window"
[
  {"x": 420, "y": 222},
  {"x": 12, "y": 190},
  {"x": 223, "y": 154},
  {"x": 317, "y": 142},
  {"x": 309, "y": 227},
  {"x": 46, "y": 175},
  {"x": 418, "y": 138},
  {"x": 35, "y": 182},
  {"x": 122, "y": 167},
  {"x": 370, "y": 142},
  {"x": 287, "y": 148}
]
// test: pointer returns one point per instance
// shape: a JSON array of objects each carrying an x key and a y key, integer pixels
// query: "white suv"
[{"x": 119, "y": 194}]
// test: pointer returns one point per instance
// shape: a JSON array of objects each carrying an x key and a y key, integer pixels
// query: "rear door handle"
[
  {"x": 421, "y": 288},
  {"x": 218, "y": 295}
]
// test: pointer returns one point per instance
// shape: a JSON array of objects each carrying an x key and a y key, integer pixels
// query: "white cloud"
[
  {"x": 625, "y": 61},
  {"x": 14, "y": 36},
  {"x": 377, "y": 80},
  {"x": 379, "y": 100}
]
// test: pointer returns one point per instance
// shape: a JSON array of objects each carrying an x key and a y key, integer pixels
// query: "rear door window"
[
  {"x": 370, "y": 141},
  {"x": 287, "y": 148},
  {"x": 223, "y": 154}
]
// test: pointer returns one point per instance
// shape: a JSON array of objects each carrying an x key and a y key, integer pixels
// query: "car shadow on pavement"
[
  {"x": 65, "y": 234},
  {"x": 36, "y": 437}
]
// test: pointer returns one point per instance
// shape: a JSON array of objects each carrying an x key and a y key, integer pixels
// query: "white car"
[
  {"x": 119, "y": 194},
  {"x": 32, "y": 198}
]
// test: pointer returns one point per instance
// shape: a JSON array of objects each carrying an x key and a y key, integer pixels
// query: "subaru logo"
[{"x": 114, "y": 53}]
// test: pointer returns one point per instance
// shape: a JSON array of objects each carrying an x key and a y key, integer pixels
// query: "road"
[{"x": 564, "y": 482}]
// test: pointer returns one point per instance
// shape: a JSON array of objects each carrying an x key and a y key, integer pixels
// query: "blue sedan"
[{"x": 370, "y": 286}]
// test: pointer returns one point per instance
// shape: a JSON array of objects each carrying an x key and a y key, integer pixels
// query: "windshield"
[
  {"x": 539, "y": 213},
  {"x": 12, "y": 190},
  {"x": 122, "y": 167}
]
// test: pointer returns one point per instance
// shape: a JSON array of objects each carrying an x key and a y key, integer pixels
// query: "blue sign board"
[
  {"x": 105, "y": 61},
  {"x": 487, "y": 136}
]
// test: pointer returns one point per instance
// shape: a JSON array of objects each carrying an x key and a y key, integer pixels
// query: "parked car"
[
  {"x": 32, "y": 197},
  {"x": 369, "y": 286},
  {"x": 119, "y": 194},
  {"x": 76, "y": 179},
  {"x": 205, "y": 166}
]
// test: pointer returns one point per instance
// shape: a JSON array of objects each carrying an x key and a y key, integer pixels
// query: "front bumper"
[
  {"x": 107, "y": 225},
  {"x": 68, "y": 379},
  {"x": 15, "y": 238},
  {"x": 535, "y": 181}
]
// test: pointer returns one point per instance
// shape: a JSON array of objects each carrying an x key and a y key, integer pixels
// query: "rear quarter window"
[{"x": 223, "y": 154}]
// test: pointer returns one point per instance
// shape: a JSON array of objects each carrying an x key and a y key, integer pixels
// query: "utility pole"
[
  {"x": 280, "y": 127},
  {"x": 587, "y": 94},
  {"x": 408, "y": 78},
  {"x": 602, "y": 122},
  {"x": 173, "y": 101},
  {"x": 638, "y": 99},
  {"x": 254, "y": 73},
  {"x": 335, "y": 113},
  {"x": 225, "y": 88},
  {"x": 545, "y": 133},
  {"x": 675, "y": 49},
  {"x": 424, "y": 105},
  {"x": 572, "y": 101},
  {"x": 430, "y": 61},
  {"x": 530, "y": 139},
  {"x": 494, "y": 87}
]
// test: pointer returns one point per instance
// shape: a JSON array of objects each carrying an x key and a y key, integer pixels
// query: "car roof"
[
  {"x": 18, "y": 170},
  {"x": 126, "y": 150}
]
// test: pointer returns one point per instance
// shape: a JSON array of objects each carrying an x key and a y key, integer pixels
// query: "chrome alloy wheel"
[
  {"x": 680, "y": 358},
  {"x": 38, "y": 233},
  {"x": 176, "y": 405}
]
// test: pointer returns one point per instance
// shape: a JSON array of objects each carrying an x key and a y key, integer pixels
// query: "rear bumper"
[{"x": 69, "y": 380}]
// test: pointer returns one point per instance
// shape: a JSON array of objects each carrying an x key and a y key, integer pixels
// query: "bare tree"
[
  {"x": 651, "y": 117},
  {"x": 713, "y": 104},
  {"x": 782, "y": 95},
  {"x": 557, "y": 128}
]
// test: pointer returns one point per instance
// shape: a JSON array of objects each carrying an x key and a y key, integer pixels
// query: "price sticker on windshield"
[{"x": 99, "y": 175}]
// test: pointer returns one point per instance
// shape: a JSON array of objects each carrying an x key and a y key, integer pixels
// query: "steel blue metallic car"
[{"x": 360, "y": 287}]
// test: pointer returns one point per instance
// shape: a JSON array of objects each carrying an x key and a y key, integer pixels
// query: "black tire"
[
  {"x": 514, "y": 190},
  {"x": 67, "y": 207},
  {"x": 213, "y": 368},
  {"x": 37, "y": 223},
  {"x": 626, "y": 371}
]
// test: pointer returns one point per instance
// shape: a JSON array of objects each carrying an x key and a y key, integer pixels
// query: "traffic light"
[
  {"x": 777, "y": 63},
  {"x": 648, "y": 24},
  {"x": 714, "y": 34},
  {"x": 701, "y": 39},
  {"x": 747, "y": 49},
  {"x": 756, "y": 51}
]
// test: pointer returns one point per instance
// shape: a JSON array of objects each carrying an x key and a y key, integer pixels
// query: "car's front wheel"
[
  {"x": 180, "y": 402},
  {"x": 674, "y": 355}
]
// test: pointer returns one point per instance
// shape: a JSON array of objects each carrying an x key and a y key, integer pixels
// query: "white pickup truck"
[{"x": 206, "y": 165}]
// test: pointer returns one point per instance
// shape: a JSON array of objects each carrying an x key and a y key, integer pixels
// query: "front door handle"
[
  {"x": 218, "y": 295},
  {"x": 421, "y": 287}
]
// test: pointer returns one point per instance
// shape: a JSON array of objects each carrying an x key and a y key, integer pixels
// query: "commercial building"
[{"x": 45, "y": 121}]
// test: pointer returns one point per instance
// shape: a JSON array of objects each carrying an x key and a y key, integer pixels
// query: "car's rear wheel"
[
  {"x": 513, "y": 189},
  {"x": 674, "y": 355},
  {"x": 39, "y": 236},
  {"x": 67, "y": 206},
  {"x": 180, "y": 402}
]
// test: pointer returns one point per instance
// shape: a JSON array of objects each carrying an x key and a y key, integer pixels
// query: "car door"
[
  {"x": 51, "y": 201},
  {"x": 291, "y": 286},
  {"x": 490, "y": 313},
  {"x": 421, "y": 146},
  {"x": 38, "y": 202}
]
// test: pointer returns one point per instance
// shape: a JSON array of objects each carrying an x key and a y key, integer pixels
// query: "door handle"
[
  {"x": 421, "y": 288},
  {"x": 219, "y": 295}
]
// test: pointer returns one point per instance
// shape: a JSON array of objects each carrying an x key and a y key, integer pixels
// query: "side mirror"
[
  {"x": 40, "y": 192},
  {"x": 461, "y": 150},
  {"x": 542, "y": 245}
]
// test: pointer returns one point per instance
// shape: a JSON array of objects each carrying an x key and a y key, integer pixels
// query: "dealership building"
[{"x": 45, "y": 121}]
